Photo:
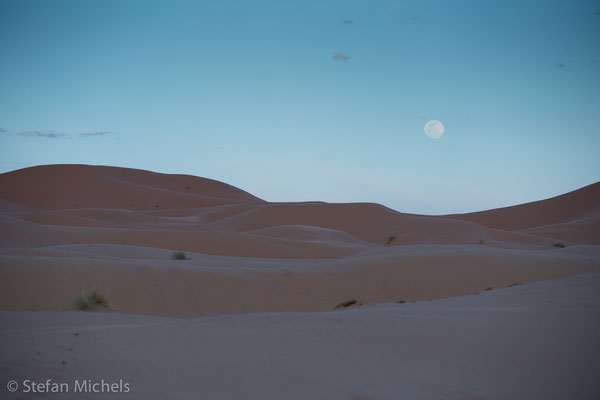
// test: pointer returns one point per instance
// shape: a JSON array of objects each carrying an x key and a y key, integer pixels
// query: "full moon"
[{"x": 434, "y": 129}]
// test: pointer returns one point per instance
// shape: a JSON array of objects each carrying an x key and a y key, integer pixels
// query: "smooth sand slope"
[
  {"x": 69, "y": 228},
  {"x": 569, "y": 207},
  {"x": 512, "y": 316},
  {"x": 534, "y": 341}
]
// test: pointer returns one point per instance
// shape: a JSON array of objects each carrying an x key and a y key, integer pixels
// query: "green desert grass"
[
  {"x": 88, "y": 301},
  {"x": 179, "y": 255}
]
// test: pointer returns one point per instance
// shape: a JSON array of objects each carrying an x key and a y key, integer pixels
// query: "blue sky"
[{"x": 252, "y": 94}]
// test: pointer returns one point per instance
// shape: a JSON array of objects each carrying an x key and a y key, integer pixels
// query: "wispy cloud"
[
  {"x": 219, "y": 148},
  {"x": 94, "y": 133},
  {"x": 47, "y": 134},
  {"x": 340, "y": 57},
  {"x": 561, "y": 65},
  {"x": 2, "y": 130},
  {"x": 347, "y": 21},
  {"x": 52, "y": 134}
]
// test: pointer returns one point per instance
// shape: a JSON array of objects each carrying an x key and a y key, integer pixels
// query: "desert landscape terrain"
[{"x": 306, "y": 300}]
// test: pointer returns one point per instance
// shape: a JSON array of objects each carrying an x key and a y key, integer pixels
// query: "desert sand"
[
  {"x": 257, "y": 292},
  {"x": 533, "y": 341}
]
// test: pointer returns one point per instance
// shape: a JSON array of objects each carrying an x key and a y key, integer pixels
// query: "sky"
[{"x": 312, "y": 100}]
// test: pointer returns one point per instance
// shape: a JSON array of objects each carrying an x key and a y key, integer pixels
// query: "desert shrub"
[
  {"x": 481, "y": 241},
  {"x": 390, "y": 239},
  {"x": 347, "y": 303},
  {"x": 179, "y": 255},
  {"x": 558, "y": 245},
  {"x": 87, "y": 301}
]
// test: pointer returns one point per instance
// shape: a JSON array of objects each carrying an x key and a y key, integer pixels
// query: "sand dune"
[
  {"x": 309, "y": 233},
  {"x": 261, "y": 281},
  {"x": 583, "y": 230},
  {"x": 68, "y": 228},
  {"x": 569, "y": 207},
  {"x": 367, "y": 222},
  {"x": 54, "y": 187},
  {"x": 144, "y": 280}
]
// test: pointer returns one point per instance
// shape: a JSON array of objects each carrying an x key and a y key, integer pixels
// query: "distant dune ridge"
[
  {"x": 54, "y": 187},
  {"x": 68, "y": 228},
  {"x": 582, "y": 205}
]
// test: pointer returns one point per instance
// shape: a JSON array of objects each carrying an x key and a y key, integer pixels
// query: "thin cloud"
[
  {"x": 597, "y": 13},
  {"x": 340, "y": 57},
  {"x": 561, "y": 65},
  {"x": 47, "y": 134},
  {"x": 94, "y": 133},
  {"x": 347, "y": 21},
  {"x": 218, "y": 148},
  {"x": 2, "y": 130}
]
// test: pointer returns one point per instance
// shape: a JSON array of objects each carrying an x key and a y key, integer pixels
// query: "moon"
[{"x": 434, "y": 129}]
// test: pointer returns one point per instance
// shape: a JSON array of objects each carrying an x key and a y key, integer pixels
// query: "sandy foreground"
[
  {"x": 533, "y": 341},
  {"x": 513, "y": 310}
]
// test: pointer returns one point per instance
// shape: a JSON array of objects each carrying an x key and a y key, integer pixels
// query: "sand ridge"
[{"x": 69, "y": 228}]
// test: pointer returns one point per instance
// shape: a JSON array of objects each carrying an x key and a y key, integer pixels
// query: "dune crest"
[
  {"x": 569, "y": 207},
  {"x": 52, "y": 187}
]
